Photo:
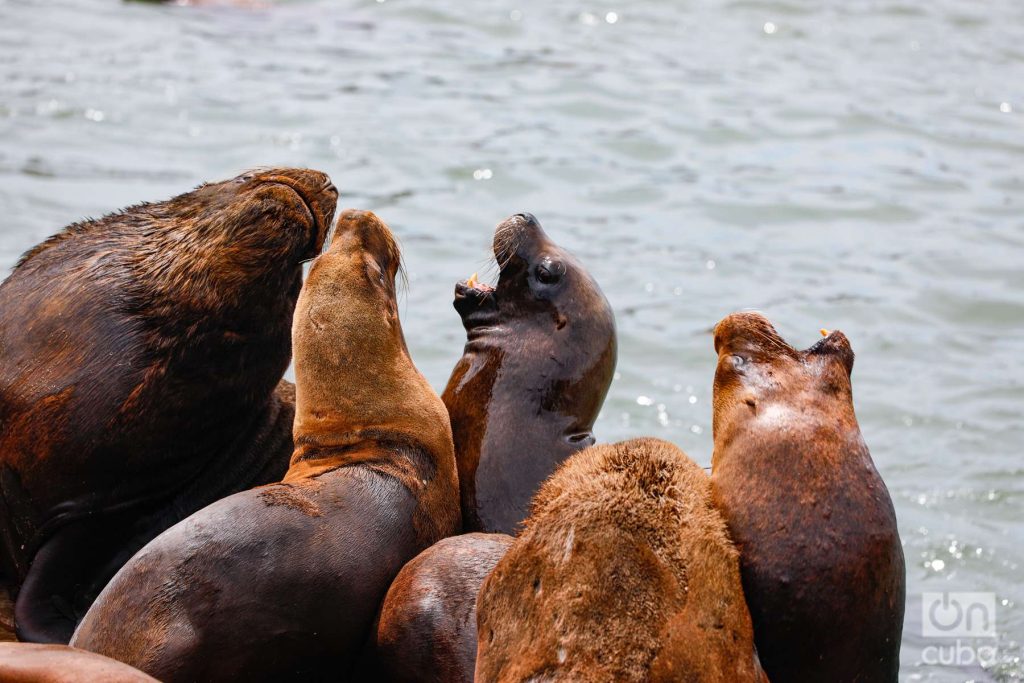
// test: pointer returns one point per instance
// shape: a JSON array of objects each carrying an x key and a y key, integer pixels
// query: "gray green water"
[{"x": 855, "y": 165}]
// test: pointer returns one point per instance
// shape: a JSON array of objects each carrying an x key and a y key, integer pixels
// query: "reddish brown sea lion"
[
  {"x": 624, "y": 572},
  {"x": 283, "y": 582},
  {"x": 29, "y": 663},
  {"x": 541, "y": 344},
  {"x": 820, "y": 554},
  {"x": 139, "y": 354},
  {"x": 538, "y": 362}
]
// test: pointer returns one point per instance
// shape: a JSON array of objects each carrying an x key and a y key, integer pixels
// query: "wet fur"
[
  {"x": 624, "y": 572},
  {"x": 822, "y": 564}
]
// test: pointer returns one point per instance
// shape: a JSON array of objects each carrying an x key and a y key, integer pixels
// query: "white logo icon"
[{"x": 958, "y": 615}]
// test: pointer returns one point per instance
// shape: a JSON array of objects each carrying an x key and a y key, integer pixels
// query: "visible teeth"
[
  {"x": 471, "y": 282},
  {"x": 824, "y": 332}
]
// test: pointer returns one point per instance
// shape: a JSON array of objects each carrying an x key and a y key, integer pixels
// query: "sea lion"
[
  {"x": 139, "y": 355},
  {"x": 822, "y": 563},
  {"x": 30, "y": 663},
  {"x": 426, "y": 629},
  {"x": 541, "y": 344},
  {"x": 282, "y": 582},
  {"x": 624, "y": 572},
  {"x": 538, "y": 362}
]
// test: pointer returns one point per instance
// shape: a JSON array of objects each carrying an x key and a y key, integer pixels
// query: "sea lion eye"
[{"x": 549, "y": 272}]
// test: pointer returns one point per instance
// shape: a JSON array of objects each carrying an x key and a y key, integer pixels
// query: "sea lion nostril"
[{"x": 528, "y": 218}]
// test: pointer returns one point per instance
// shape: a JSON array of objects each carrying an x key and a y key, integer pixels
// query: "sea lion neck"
[{"x": 356, "y": 384}]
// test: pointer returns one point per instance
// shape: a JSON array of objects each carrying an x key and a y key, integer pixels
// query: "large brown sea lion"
[
  {"x": 139, "y": 355},
  {"x": 538, "y": 362},
  {"x": 820, "y": 554},
  {"x": 30, "y": 663},
  {"x": 541, "y": 344},
  {"x": 624, "y": 572},
  {"x": 283, "y": 582}
]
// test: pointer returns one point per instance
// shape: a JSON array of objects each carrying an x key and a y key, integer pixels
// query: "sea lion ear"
[{"x": 836, "y": 344}]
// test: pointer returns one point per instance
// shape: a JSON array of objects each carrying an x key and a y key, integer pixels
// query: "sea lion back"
[{"x": 624, "y": 572}]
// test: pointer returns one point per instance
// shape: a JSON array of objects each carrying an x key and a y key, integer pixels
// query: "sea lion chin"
[
  {"x": 820, "y": 554},
  {"x": 140, "y": 357},
  {"x": 538, "y": 362},
  {"x": 282, "y": 582}
]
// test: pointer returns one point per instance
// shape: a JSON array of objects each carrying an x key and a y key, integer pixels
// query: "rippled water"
[{"x": 853, "y": 165}]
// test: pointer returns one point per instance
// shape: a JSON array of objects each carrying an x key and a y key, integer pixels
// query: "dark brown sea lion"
[
  {"x": 29, "y": 663},
  {"x": 538, "y": 362},
  {"x": 541, "y": 344},
  {"x": 426, "y": 629},
  {"x": 820, "y": 553},
  {"x": 624, "y": 572},
  {"x": 283, "y": 582},
  {"x": 139, "y": 355}
]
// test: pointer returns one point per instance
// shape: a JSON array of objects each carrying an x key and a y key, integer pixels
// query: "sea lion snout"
[
  {"x": 516, "y": 233},
  {"x": 357, "y": 224},
  {"x": 835, "y": 344},
  {"x": 365, "y": 232},
  {"x": 313, "y": 188}
]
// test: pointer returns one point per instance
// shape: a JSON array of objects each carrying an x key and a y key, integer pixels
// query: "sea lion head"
[
  {"x": 762, "y": 378},
  {"x": 250, "y": 226},
  {"x": 209, "y": 249},
  {"x": 538, "y": 362},
  {"x": 545, "y": 306}
]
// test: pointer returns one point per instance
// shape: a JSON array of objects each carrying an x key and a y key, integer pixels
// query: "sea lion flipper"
[{"x": 40, "y": 614}]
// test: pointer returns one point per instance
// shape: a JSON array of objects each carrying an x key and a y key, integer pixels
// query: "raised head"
[
  {"x": 538, "y": 362},
  {"x": 760, "y": 377}
]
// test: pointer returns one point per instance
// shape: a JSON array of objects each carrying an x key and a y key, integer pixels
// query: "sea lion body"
[
  {"x": 282, "y": 582},
  {"x": 426, "y": 630},
  {"x": 31, "y": 663},
  {"x": 822, "y": 564},
  {"x": 624, "y": 572},
  {"x": 139, "y": 355},
  {"x": 537, "y": 365}
]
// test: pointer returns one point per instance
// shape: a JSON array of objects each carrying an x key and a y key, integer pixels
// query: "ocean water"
[{"x": 852, "y": 165}]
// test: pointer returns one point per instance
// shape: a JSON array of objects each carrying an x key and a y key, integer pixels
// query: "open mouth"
[
  {"x": 474, "y": 287},
  {"x": 475, "y": 301}
]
